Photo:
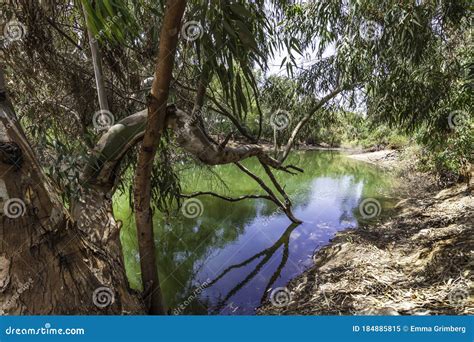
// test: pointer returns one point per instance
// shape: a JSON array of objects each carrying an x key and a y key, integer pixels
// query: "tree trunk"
[
  {"x": 47, "y": 264},
  {"x": 155, "y": 125},
  {"x": 96, "y": 61}
]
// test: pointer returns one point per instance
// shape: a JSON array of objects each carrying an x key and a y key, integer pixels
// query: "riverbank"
[
  {"x": 416, "y": 260},
  {"x": 388, "y": 159}
]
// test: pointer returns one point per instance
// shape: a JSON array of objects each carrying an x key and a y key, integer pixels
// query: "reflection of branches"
[
  {"x": 276, "y": 274},
  {"x": 268, "y": 254}
]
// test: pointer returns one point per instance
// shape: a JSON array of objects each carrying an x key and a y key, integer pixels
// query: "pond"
[{"x": 223, "y": 257}]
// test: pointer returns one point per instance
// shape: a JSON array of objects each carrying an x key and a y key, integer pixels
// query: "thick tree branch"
[
  {"x": 112, "y": 146},
  {"x": 115, "y": 143},
  {"x": 277, "y": 185},
  {"x": 285, "y": 207},
  {"x": 155, "y": 125},
  {"x": 190, "y": 136}
]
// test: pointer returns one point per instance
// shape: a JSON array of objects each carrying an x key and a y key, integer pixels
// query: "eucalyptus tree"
[
  {"x": 89, "y": 217},
  {"x": 47, "y": 264},
  {"x": 403, "y": 56}
]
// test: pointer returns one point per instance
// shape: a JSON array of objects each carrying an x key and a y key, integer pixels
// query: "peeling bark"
[
  {"x": 115, "y": 143},
  {"x": 47, "y": 264},
  {"x": 191, "y": 138},
  {"x": 100, "y": 172}
]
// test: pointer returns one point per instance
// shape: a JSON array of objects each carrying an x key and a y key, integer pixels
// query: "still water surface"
[{"x": 243, "y": 250}]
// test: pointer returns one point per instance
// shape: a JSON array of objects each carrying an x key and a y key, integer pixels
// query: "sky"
[{"x": 309, "y": 56}]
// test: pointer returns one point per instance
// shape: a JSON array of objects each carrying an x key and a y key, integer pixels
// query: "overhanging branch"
[
  {"x": 113, "y": 145},
  {"x": 226, "y": 198}
]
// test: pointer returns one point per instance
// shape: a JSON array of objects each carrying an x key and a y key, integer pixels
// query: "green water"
[{"x": 229, "y": 257}]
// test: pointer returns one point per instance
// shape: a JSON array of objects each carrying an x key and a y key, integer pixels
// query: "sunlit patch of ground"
[{"x": 419, "y": 261}]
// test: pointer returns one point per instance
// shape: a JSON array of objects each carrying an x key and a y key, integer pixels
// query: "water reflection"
[
  {"x": 264, "y": 256},
  {"x": 243, "y": 250}
]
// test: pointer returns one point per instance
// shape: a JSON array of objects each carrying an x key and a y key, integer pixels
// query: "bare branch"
[
  {"x": 276, "y": 184},
  {"x": 305, "y": 119},
  {"x": 229, "y": 199}
]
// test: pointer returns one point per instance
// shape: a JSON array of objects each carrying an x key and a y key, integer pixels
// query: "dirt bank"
[
  {"x": 384, "y": 158},
  {"x": 419, "y": 260}
]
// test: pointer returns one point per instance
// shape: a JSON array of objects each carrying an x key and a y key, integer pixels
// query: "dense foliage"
[{"x": 405, "y": 68}]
